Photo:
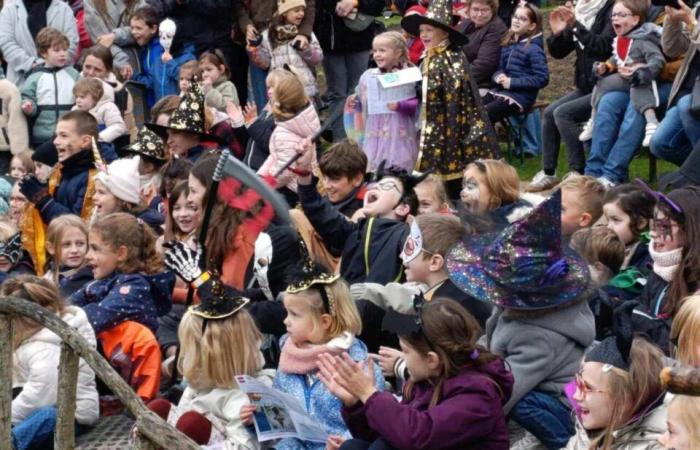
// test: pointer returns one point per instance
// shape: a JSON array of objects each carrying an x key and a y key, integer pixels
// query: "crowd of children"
[{"x": 416, "y": 297}]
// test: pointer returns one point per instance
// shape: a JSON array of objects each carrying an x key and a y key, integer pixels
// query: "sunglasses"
[
  {"x": 584, "y": 389},
  {"x": 659, "y": 196}
]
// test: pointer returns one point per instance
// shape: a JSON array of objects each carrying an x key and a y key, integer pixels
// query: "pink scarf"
[{"x": 303, "y": 359}]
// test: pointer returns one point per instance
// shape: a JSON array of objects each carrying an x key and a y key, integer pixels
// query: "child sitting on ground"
[
  {"x": 343, "y": 168},
  {"x": 602, "y": 250},
  {"x": 47, "y": 94},
  {"x": 66, "y": 249},
  {"x": 432, "y": 196},
  {"x": 636, "y": 61},
  {"x": 97, "y": 98},
  {"x": 683, "y": 416},
  {"x": 21, "y": 165},
  {"x": 581, "y": 203}
]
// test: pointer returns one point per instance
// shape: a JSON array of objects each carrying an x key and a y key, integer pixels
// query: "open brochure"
[{"x": 279, "y": 415}]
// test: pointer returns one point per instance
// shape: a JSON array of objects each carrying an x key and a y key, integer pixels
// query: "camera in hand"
[{"x": 672, "y": 3}]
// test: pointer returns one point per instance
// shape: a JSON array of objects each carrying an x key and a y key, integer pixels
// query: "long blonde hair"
[
  {"x": 210, "y": 356},
  {"x": 37, "y": 290},
  {"x": 288, "y": 98},
  {"x": 685, "y": 331},
  {"x": 54, "y": 236},
  {"x": 634, "y": 390},
  {"x": 397, "y": 41},
  {"x": 688, "y": 413}
]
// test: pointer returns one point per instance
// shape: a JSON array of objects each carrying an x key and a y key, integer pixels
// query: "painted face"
[
  {"x": 520, "y": 23},
  {"x": 56, "y": 57},
  {"x": 210, "y": 71},
  {"x": 383, "y": 197},
  {"x": 480, "y": 13},
  {"x": 432, "y": 36},
  {"x": 185, "y": 215},
  {"x": 592, "y": 396},
  {"x": 85, "y": 102},
  {"x": 68, "y": 141},
  {"x": 73, "y": 247},
  {"x": 475, "y": 193},
  {"x": 619, "y": 221},
  {"x": 102, "y": 260},
  {"x": 197, "y": 192},
  {"x": 300, "y": 321},
  {"x": 571, "y": 212},
  {"x": 623, "y": 20},
  {"x": 95, "y": 68},
  {"x": 416, "y": 362},
  {"x": 141, "y": 32},
  {"x": 17, "y": 169},
  {"x": 42, "y": 171},
  {"x": 295, "y": 16},
  {"x": 105, "y": 202},
  {"x": 677, "y": 436},
  {"x": 385, "y": 55},
  {"x": 338, "y": 188},
  {"x": 665, "y": 233}
]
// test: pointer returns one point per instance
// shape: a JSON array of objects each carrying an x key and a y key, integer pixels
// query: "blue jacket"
[
  {"x": 121, "y": 297},
  {"x": 161, "y": 78},
  {"x": 318, "y": 402},
  {"x": 526, "y": 65}
]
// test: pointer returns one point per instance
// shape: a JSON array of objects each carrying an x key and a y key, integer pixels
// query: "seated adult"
[
  {"x": 679, "y": 131},
  {"x": 485, "y": 31},
  {"x": 587, "y": 31}
]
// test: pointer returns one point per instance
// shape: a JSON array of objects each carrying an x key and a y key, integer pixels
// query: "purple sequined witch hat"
[{"x": 522, "y": 267}]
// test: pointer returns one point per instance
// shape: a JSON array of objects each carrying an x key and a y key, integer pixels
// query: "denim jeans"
[
  {"x": 547, "y": 418},
  {"x": 37, "y": 430},
  {"x": 618, "y": 135},
  {"x": 561, "y": 122},
  {"x": 343, "y": 71},
  {"x": 258, "y": 86},
  {"x": 677, "y": 133},
  {"x": 531, "y": 132}
]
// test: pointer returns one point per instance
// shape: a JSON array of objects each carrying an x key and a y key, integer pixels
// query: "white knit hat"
[
  {"x": 122, "y": 180},
  {"x": 286, "y": 5}
]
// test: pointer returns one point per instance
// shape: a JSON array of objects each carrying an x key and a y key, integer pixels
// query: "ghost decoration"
[{"x": 166, "y": 32}]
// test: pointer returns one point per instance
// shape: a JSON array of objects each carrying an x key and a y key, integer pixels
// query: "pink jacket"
[{"x": 283, "y": 143}]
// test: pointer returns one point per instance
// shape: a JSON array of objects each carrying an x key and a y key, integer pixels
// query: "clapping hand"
[
  {"x": 353, "y": 378},
  {"x": 326, "y": 373}
]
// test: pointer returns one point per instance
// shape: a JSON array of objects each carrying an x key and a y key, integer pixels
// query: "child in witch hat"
[
  {"x": 542, "y": 323},
  {"x": 151, "y": 154}
]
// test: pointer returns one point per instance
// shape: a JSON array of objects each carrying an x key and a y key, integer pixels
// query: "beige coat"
[{"x": 14, "y": 136}]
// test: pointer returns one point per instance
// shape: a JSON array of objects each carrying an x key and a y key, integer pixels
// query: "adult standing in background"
[
  {"x": 345, "y": 29},
  {"x": 20, "y": 22}
]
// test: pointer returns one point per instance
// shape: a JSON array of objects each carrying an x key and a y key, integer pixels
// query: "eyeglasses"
[
  {"x": 621, "y": 14},
  {"x": 584, "y": 389},
  {"x": 384, "y": 185},
  {"x": 521, "y": 18},
  {"x": 659, "y": 196}
]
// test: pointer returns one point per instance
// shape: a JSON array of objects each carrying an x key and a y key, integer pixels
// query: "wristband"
[
  {"x": 300, "y": 172},
  {"x": 203, "y": 278}
]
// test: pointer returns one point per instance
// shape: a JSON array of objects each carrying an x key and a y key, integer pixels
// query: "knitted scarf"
[
  {"x": 665, "y": 263},
  {"x": 302, "y": 359}
]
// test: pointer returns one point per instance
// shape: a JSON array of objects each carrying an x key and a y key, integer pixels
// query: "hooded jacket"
[
  {"x": 14, "y": 136},
  {"x": 543, "y": 350},
  {"x": 108, "y": 117},
  {"x": 645, "y": 48},
  {"x": 120, "y": 297},
  {"x": 283, "y": 143},
  {"x": 16, "y": 41},
  {"x": 35, "y": 370},
  {"x": 525, "y": 63},
  {"x": 469, "y": 414}
]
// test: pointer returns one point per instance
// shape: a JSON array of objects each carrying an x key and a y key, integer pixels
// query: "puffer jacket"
[
  {"x": 16, "y": 41},
  {"x": 335, "y": 36},
  {"x": 283, "y": 143},
  {"x": 643, "y": 434},
  {"x": 14, "y": 136},
  {"x": 35, "y": 370},
  {"x": 50, "y": 91},
  {"x": 108, "y": 117},
  {"x": 300, "y": 61},
  {"x": 525, "y": 64},
  {"x": 590, "y": 46}
]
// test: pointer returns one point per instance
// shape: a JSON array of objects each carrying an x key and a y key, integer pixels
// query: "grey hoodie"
[
  {"x": 544, "y": 352},
  {"x": 645, "y": 48}
]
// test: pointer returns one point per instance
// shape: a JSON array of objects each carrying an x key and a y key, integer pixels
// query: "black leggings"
[
  {"x": 499, "y": 108},
  {"x": 359, "y": 444}
]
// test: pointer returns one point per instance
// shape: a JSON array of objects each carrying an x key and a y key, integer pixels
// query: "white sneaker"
[
  {"x": 587, "y": 132},
  {"x": 542, "y": 182},
  {"x": 607, "y": 184},
  {"x": 649, "y": 133}
]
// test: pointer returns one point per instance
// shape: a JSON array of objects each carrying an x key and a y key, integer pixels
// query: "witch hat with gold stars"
[
  {"x": 439, "y": 15},
  {"x": 149, "y": 144},
  {"x": 189, "y": 115}
]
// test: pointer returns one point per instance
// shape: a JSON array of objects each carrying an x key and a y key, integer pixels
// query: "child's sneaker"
[
  {"x": 587, "y": 133},
  {"x": 607, "y": 184},
  {"x": 649, "y": 133},
  {"x": 541, "y": 182}
]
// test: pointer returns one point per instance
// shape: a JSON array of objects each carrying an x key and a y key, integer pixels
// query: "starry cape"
[{"x": 454, "y": 127}]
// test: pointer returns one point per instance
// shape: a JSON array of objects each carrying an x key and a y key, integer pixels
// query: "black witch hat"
[
  {"x": 308, "y": 273},
  {"x": 615, "y": 350},
  {"x": 217, "y": 300}
]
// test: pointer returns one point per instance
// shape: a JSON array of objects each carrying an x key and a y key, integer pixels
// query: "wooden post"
[
  {"x": 64, "y": 438},
  {"x": 6, "y": 384}
]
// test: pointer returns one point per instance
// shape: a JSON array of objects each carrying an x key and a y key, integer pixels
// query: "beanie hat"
[
  {"x": 122, "y": 179},
  {"x": 287, "y": 5},
  {"x": 46, "y": 154}
]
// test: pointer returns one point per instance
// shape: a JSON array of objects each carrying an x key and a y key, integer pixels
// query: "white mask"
[{"x": 166, "y": 32}]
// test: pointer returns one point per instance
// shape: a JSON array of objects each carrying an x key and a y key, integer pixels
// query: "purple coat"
[{"x": 468, "y": 416}]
